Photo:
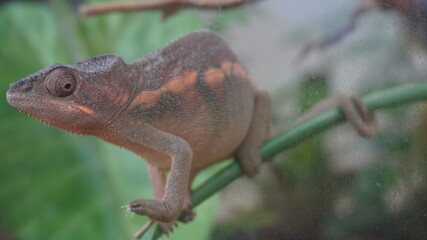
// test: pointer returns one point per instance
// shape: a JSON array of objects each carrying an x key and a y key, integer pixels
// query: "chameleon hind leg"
[{"x": 248, "y": 153}]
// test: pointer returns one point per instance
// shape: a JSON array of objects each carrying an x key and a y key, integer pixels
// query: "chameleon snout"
[{"x": 21, "y": 86}]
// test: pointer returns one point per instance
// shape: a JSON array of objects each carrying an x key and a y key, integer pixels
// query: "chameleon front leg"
[
  {"x": 158, "y": 184},
  {"x": 158, "y": 181},
  {"x": 170, "y": 206}
]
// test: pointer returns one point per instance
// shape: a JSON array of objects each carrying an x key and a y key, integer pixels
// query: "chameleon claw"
[
  {"x": 128, "y": 210},
  {"x": 137, "y": 207}
]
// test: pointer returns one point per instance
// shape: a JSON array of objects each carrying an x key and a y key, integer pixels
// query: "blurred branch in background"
[
  {"x": 413, "y": 10},
  {"x": 396, "y": 96},
  {"x": 168, "y": 7}
]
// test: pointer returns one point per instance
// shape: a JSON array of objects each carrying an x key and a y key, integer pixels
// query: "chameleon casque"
[{"x": 184, "y": 107}]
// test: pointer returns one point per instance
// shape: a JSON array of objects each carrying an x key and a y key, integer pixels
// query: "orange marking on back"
[
  {"x": 239, "y": 71},
  {"x": 85, "y": 110},
  {"x": 227, "y": 67},
  {"x": 117, "y": 97},
  {"x": 179, "y": 85},
  {"x": 182, "y": 83},
  {"x": 214, "y": 78},
  {"x": 149, "y": 98}
]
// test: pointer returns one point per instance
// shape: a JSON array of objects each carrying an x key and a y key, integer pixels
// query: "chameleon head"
[{"x": 73, "y": 98}]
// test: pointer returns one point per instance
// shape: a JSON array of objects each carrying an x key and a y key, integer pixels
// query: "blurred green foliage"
[{"x": 54, "y": 185}]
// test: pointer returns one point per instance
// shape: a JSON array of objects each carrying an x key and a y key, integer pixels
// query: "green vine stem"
[{"x": 395, "y": 96}]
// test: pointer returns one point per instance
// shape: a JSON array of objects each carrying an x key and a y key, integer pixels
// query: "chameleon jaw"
[{"x": 43, "y": 110}]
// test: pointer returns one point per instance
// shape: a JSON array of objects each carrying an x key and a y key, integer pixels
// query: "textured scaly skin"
[{"x": 184, "y": 107}]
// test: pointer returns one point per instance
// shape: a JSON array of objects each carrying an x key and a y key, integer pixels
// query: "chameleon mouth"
[{"x": 44, "y": 111}]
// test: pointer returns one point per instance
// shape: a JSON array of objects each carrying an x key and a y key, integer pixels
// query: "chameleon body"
[{"x": 182, "y": 108}]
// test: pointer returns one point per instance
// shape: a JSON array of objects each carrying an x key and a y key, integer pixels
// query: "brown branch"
[
  {"x": 338, "y": 35},
  {"x": 406, "y": 7},
  {"x": 168, "y": 7}
]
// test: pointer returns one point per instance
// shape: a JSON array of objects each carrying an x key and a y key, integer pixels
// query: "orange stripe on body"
[
  {"x": 116, "y": 97},
  {"x": 239, "y": 71},
  {"x": 181, "y": 84},
  {"x": 227, "y": 67},
  {"x": 177, "y": 85},
  {"x": 233, "y": 68},
  {"x": 185, "y": 84},
  {"x": 236, "y": 69},
  {"x": 215, "y": 78},
  {"x": 148, "y": 98},
  {"x": 85, "y": 110}
]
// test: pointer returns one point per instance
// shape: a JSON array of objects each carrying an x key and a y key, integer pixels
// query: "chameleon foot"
[
  {"x": 157, "y": 210},
  {"x": 252, "y": 160},
  {"x": 189, "y": 215}
]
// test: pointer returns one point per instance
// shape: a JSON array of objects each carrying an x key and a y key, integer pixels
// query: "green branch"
[{"x": 395, "y": 96}]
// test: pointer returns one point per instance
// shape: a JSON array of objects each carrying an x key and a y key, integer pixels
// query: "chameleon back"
[{"x": 195, "y": 88}]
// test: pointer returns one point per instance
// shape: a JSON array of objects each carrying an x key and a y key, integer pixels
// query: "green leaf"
[{"x": 60, "y": 186}]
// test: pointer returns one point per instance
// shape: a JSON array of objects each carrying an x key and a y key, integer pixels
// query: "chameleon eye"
[{"x": 60, "y": 83}]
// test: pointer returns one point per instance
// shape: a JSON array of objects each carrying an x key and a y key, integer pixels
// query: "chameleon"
[{"x": 182, "y": 108}]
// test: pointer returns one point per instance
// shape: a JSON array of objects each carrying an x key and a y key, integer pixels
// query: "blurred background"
[{"x": 54, "y": 185}]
